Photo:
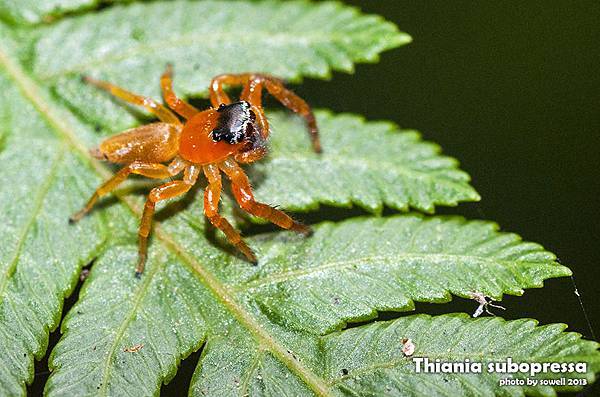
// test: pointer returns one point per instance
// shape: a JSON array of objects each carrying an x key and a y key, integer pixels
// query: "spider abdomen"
[{"x": 156, "y": 142}]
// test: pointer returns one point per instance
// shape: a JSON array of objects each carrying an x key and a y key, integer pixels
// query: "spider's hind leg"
[{"x": 150, "y": 104}]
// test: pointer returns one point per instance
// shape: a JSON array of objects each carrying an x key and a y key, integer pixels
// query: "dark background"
[{"x": 512, "y": 90}]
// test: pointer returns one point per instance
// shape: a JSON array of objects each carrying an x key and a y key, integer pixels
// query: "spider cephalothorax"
[
  {"x": 210, "y": 141},
  {"x": 237, "y": 122}
]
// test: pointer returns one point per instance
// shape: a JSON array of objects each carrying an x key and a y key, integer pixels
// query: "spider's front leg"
[
  {"x": 245, "y": 198},
  {"x": 296, "y": 104},
  {"x": 252, "y": 92},
  {"x": 251, "y": 155},
  {"x": 217, "y": 94}
]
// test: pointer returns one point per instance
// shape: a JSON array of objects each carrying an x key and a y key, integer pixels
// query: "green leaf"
[
  {"x": 368, "y": 360},
  {"x": 164, "y": 316},
  {"x": 47, "y": 172},
  {"x": 35, "y": 11},
  {"x": 370, "y": 164},
  {"x": 372, "y": 355},
  {"x": 39, "y": 257},
  {"x": 300, "y": 285},
  {"x": 131, "y": 45},
  {"x": 349, "y": 270},
  {"x": 127, "y": 336}
]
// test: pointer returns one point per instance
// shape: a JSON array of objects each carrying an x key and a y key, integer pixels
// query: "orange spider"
[{"x": 213, "y": 140}]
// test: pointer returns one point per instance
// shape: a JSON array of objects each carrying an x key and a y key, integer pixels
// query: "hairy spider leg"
[
  {"x": 217, "y": 95},
  {"x": 154, "y": 171},
  {"x": 160, "y": 193},
  {"x": 150, "y": 104},
  {"x": 251, "y": 155},
  {"x": 242, "y": 191},
  {"x": 297, "y": 105},
  {"x": 212, "y": 196},
  {"x": 181, "y": 107},
  {"x": 252, "y": 93}
]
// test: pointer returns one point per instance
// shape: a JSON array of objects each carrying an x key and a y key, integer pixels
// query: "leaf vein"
[
  {"x": 343, "y": 264},
  {"x": 39, "y": 201}
]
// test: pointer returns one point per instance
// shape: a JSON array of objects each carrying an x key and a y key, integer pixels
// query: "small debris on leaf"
[
  {"x": 291, "y": 353},
  {"x": 408, "y": 347},
  {"x": 134, "y": 349}
]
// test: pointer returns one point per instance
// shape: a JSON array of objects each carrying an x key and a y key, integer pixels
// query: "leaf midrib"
[{"x": 32, "y": 91}]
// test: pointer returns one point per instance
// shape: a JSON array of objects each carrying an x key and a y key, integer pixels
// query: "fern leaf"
[
  {"x": 47, "y": 177},
  {"x": 369, "y": 361},
  {"x": 131, "y": 45},
  {"x": 261, "y": 327},
  {"x": 300, "y": 288},
  {"x": 368, "y": 164},
  {"x": 353, "y": 268}
]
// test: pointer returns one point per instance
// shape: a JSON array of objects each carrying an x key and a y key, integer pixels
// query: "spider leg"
[
  {"x": 296, "y": 104},
  {"x": 216, "y": 92},
  {"x": 252, "y": 93},
  {"x": 242, "y": 192},
  {"x": 212, "y": 195},
  {"x": 150, "y": 104},
  {"x": 181, "y": 107},
  {"x": 253, "y": 85},
  {"x": 160, "y": 193},
  {"x": 155, "y": 171},
  {"x": 487, "y": 310},
  {"x": 251, "y": 156}
]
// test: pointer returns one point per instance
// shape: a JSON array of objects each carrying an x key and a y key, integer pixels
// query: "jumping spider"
[{"x": 211, "y": 141}]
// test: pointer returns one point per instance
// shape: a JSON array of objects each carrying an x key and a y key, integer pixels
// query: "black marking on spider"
[{"x": 237, "y": 123}]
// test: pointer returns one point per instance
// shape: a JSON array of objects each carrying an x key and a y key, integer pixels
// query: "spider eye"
[
  {"x": 252, "y": 115},
  {"x": 249, "y": 130}
]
